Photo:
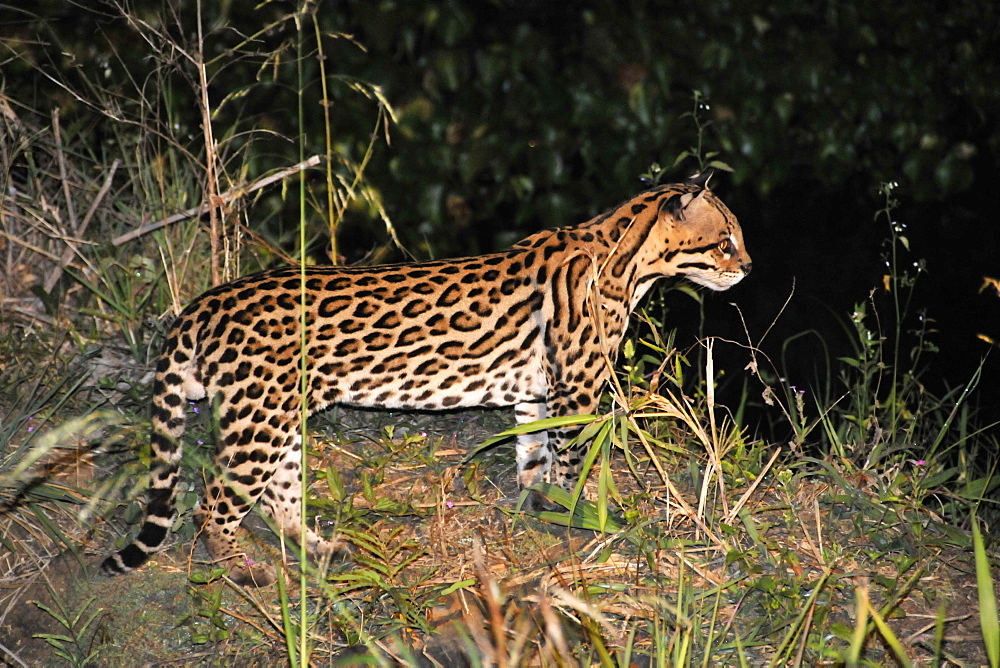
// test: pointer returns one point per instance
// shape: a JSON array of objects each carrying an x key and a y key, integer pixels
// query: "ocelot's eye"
[{"x": 726, "y": 246}]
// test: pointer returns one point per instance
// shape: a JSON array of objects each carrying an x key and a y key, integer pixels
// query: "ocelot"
[{"x": 523, "y": 327}]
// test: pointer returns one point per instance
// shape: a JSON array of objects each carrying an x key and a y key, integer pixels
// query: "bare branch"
[
  {"x": 226, "y": 197},
  {"x": 68, "y": 253}
]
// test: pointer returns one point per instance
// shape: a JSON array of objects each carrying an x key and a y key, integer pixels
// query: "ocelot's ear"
[
  {"x": 674, "y": 206},
  {"x": 701, "y": 178}
]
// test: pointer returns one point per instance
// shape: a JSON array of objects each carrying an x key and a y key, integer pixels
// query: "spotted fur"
[{"x": 522, "y": 328}]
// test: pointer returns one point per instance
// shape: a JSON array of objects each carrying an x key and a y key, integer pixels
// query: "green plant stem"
[{"x": 303, "y": 347}]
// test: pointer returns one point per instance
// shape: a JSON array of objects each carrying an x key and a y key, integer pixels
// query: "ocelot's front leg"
[
  {"x": 568, "y": 456},
  {"x": 534, "y": 456},
  {"x": 547, "y": 456}
]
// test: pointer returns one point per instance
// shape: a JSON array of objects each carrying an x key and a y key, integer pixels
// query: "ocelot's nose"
[{"x": 746, "y": 267}]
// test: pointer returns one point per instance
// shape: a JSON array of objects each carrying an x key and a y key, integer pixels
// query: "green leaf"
[
  {"x": 720, "y": 165},
  {"x": 203, "y": 577},
  {"x": 941, "y": 477},
  {"x": 532, "y": 427},
  {"x": 890, "y": 638},
  {"x": 462, "y": 584},
  {"x": 586, "y": 515},
  {"x": 849, "y": 361}
]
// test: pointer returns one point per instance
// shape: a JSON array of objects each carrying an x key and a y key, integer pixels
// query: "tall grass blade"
[
  {"x": 891, "y": 640},
  {"x": 987, "y": 598},
  {"x": 286, "y": 621},
  {"x": 860, "y": 629}
]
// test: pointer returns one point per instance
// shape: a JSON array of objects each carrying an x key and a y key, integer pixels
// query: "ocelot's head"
[{"x": 698, "y": 237}]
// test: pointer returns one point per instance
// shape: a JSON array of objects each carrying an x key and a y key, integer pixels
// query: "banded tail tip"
[{"x": 125, "y": 561}]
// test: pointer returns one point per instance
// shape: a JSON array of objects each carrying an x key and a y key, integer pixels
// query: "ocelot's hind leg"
[
  {"x": 282, "y": 502},
  {"x": 259, "y": 462},
  {"x": 246, "y": 463},
  {"x": 225, "y": 505}
]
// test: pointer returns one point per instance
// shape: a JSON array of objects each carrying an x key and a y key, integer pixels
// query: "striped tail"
[{"x": 169, "y": 419}]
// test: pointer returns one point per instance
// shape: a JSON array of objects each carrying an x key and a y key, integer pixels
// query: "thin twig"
[
  {"x": 731, "y": 515},
  {"x": 238, "y": 191},
  {"x": 30, "y": 246},
  {"x": 72, "y": 245},
  {"x": 28, "y": 313},
  {"x": 63, "y": 176},
  {"x": 915, "y": 636},
  {"x": 13, "y": 656}
]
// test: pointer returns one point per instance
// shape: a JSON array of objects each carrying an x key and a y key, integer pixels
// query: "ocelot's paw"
[
  {"x": 327, "y": 550},
  {"x": 538, "y": 502},
  {"x": 249, "y": 573}
]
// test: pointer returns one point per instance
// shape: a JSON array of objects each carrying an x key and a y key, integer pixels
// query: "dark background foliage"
[{"x": 518, "y": 115}]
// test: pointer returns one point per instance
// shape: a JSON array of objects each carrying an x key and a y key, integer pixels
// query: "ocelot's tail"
[{"x": 174, "y": 383}]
